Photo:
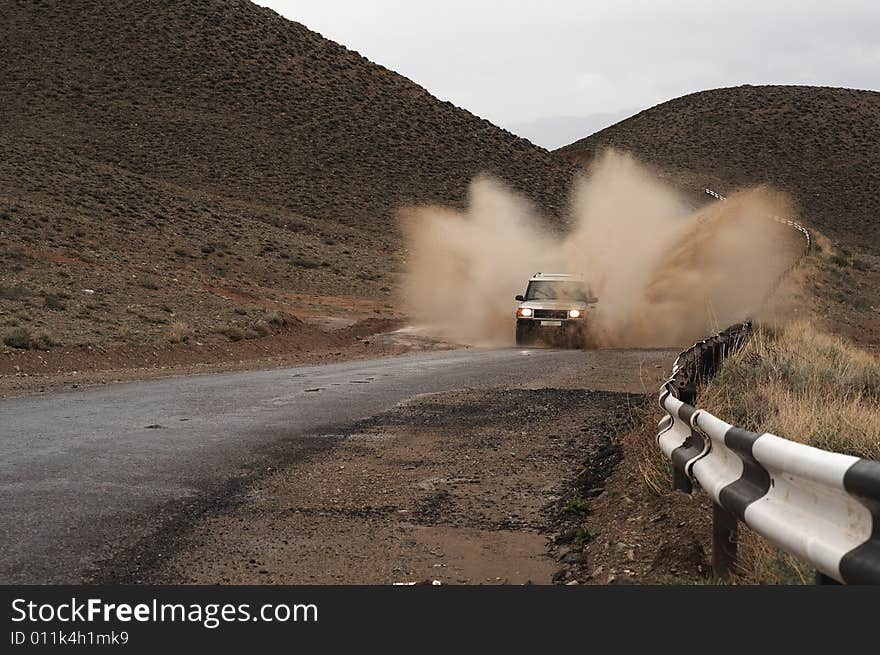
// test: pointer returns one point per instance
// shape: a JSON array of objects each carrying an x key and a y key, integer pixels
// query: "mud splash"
[{"x": 665, "y": 273}]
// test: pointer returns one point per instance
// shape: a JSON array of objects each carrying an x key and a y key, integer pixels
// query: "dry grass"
[
  {"x": 655, "y": 469},
  {"x": 179, "y": 332},
  {"x": 760, "y": 562},
  {"x": 803, "y": 385}
]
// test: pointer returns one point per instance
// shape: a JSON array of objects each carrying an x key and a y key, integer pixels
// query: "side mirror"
[{"x": 519, "y": 298}]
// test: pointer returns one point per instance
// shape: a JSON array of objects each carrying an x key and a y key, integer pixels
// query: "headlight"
[
  {"x": 524, "y": 312},
  {"x": 574, "y": 313}
]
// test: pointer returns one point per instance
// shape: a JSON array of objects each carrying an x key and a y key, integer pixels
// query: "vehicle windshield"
[{"x": 556, "y": 290}]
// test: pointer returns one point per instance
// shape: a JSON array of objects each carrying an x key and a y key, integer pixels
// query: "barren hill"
[
  {"x": 184, "y": 159},
  {"x": 820, "y": 144}
]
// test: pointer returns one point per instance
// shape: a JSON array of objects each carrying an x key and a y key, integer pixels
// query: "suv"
[{"x": 554, "y": 308}]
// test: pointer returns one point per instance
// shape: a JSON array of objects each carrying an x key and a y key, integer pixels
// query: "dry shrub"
[
  {"x": 179, "y": 332},
  {"x": 43, "y": 340},
  {"x": 19, "y": 338},
  {"x": 654, "y": 468},
  {"x": 261, "y": 329}
]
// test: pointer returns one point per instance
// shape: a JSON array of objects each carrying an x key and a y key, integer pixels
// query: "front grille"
[{"x": 551, "y": 313}]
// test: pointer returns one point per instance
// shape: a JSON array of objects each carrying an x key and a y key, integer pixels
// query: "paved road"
[{"x": 84, "y": 473}]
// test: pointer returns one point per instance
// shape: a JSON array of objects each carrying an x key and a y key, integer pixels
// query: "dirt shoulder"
[
  {"x": 465, "y": 487},
  {"x": 453, "y": 487},
  {"x": 295, "y": 343},
  {"x": 633, "y": 528}
]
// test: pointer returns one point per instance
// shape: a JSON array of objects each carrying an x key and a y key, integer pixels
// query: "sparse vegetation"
[
  {"x": 14, "y": 292},
  {"x": 179, "y": 332},
  {"x": 150, "y": 283},
  {"x": 233, "y": 334},
  {"x": 839, "y": 260},
  {"x": 586, "y": 534},
  {"x": 276, "y": 319},
  {"x": 43, "y": 341},
  {"x": 760, "y": 562},
  {"x": 304, "y": 263},
  {"x": 261, "y": 329},
  {"x": 54, "y": 302},
  {"x": 576, "y": 505},
  {"x": 19, "y": 338}
]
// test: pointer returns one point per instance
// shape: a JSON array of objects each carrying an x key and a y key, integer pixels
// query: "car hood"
[{"x": 556, "y": 304}]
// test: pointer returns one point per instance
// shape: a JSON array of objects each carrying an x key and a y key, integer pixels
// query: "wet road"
[{"x": 84, "y": 473}]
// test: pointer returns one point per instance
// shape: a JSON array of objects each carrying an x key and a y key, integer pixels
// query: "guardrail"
[
  {"x": 808, "y": 245},
  {"x": 785, "y": 221},
  {"x": 820, "y": 506}
]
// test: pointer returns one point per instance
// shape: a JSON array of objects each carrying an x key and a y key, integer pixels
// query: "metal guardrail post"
[
  {"x": 681, "y": 482},
  {"x": 822, "y": 579},
  {"x": 725, "y": 534}
]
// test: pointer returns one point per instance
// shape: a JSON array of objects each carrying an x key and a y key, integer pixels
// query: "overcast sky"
[{"x": 556, "y": 70}]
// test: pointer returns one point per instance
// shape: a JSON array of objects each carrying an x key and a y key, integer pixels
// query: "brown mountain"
[
  {"x": 820, "y": 144},
  {"x": 187, "y": 158}
]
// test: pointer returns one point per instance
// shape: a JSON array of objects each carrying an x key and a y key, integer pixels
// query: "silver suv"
[{"x": 556, "y": 308}]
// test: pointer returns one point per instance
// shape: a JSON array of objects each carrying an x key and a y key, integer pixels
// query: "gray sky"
[{"x": 557, "y": 70}]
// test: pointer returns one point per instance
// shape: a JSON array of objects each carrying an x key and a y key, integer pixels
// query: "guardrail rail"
[{"x": 820, "y": 506}]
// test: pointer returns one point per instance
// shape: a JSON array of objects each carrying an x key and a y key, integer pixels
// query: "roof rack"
[{"x": 576, "y": 275}]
